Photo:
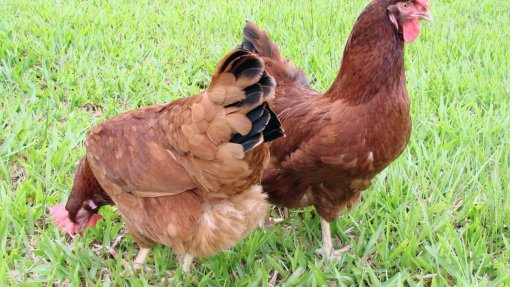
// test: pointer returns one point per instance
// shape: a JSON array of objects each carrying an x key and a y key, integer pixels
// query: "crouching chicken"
[{"x": 184, "y": 174}]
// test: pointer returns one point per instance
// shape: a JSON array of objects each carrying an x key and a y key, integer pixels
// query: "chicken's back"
[{"x": 129, "y": 151}]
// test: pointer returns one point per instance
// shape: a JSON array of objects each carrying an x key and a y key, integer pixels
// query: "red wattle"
[
  {"x": 411, "y": 30},
  {"x": 93, "y": 220}
]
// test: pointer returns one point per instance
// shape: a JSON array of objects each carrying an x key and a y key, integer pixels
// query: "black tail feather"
[
  {"x": 265, "y": 124},
  {"x": 265, "y": 127},
  {"x": 273, "y": 129}
]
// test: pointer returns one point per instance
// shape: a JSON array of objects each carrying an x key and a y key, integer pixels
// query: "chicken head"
[
  {"x": 62, "y": 220},
  {"x": 406, "y": 16}
]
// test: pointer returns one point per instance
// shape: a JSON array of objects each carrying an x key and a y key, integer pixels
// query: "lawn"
[{"x": 438, "y": 216}]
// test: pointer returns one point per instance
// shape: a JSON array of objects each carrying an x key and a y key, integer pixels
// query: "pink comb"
[
  {"x": 424, "y": 3},
  {"x": 62, "y": 220}
]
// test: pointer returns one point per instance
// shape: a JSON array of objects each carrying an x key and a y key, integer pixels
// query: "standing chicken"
[
  {"x": 184, "y": 174},
  {"x": 338, "y": 141}
]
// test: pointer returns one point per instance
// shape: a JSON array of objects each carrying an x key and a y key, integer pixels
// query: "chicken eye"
[{"x": 405, "y": 5}]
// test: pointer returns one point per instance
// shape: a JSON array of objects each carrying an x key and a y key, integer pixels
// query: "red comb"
[
  {"x": 423, "y": 3},
  {"x": 62, "y": 220}
]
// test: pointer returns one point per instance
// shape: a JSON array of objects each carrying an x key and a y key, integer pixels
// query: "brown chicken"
[
  {"x": 338, "y": 141},
  {"x": 184, "y": 174}
]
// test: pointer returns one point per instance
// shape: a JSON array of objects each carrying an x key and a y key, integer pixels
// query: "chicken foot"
[{"x": 327, "y": 249}]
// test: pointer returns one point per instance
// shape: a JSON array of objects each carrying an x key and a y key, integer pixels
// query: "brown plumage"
[
  {"x": 184, "y": 174},
  {"x": 338, "y": 141}
]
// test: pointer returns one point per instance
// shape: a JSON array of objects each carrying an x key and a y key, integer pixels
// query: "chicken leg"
[
  {"x": 327, "y": 249},
  {"x": 186, "y": 263},
  {"x": 141, "y": 257}
]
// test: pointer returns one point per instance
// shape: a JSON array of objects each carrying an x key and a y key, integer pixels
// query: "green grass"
[{"x": 438, "y": 216}]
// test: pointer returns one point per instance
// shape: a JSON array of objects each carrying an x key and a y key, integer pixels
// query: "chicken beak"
[{"x": 425, "y": 15}]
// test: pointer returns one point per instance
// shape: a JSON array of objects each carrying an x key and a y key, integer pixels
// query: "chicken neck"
[{"x": 372, "y": 60}]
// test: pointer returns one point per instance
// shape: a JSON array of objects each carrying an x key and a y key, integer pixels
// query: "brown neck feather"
[{"x": 373, "y": 58}]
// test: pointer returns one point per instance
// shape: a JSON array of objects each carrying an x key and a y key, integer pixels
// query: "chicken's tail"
[
  {"x": 243, "y": 87},
  {"x": 257, "y": 41},
  {"x": 220, "y": 133}
]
